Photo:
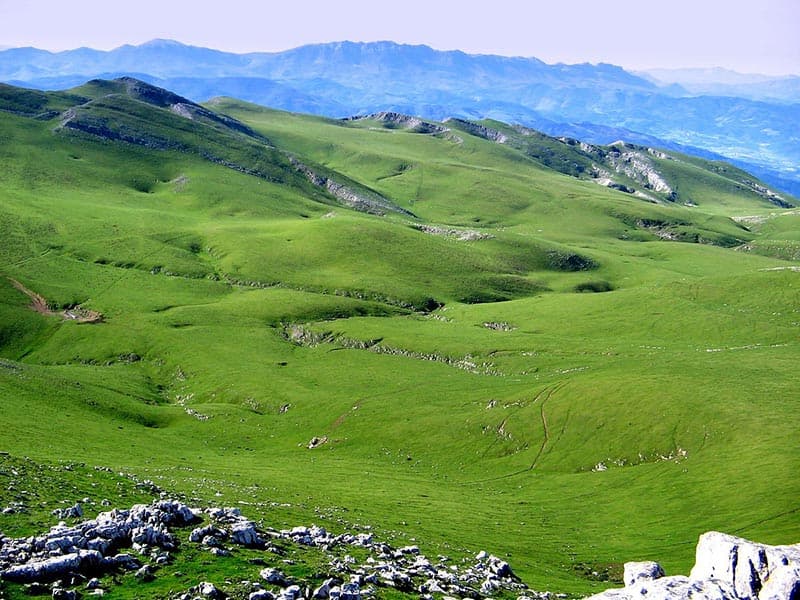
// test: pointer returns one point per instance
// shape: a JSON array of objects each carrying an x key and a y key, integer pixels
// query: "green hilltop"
[{"x": 487, "y": 349}]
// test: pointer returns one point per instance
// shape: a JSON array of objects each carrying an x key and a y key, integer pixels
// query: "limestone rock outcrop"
[
  {"x": 93, "y": 546},
  {"x": 726, "y": 568}
]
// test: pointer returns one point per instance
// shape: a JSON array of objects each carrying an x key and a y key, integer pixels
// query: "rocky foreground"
[
  {"x": 726, "y": 568},
  {"x": 68, "y": 560}
]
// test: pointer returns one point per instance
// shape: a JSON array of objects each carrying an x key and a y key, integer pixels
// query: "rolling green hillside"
[{"x": 491, "y": 353}]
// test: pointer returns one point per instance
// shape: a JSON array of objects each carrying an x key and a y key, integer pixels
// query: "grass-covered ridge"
[{"x": 561, "y": 373}]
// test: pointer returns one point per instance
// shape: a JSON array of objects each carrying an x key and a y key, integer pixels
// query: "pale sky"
[{"x": 758, "y": 36}]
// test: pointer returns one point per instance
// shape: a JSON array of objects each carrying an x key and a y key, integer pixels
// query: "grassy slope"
[{"x": 691, "y": 352}]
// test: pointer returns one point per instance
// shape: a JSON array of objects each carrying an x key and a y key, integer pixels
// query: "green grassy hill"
[{"x": 499, "y": 355}]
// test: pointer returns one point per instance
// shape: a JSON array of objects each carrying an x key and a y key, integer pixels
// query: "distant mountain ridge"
[
  {"x": 596, "y": 103},
  {"x": 337, "y": 61},
  {"x": 724, "y": 82}
]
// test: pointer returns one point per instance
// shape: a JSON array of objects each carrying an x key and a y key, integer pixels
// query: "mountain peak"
[{"x": 162, "y": 43}]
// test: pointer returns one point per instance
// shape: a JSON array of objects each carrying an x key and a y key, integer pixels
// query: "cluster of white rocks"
[
  {"x": 407, "y": 569},
  {"x": 143, "y": 538},
  {"x": 726, "y": 568},
  {"x": 463, "y": 235},
  {"x": 632, "y": 162},
  {"x": 92, "y": 547}
]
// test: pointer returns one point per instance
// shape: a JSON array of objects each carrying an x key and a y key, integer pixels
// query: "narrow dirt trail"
[
  {"x": 542, "y": 397},
  {"x": 39, "y": 305},
  {"x": 545, "y": 395}
]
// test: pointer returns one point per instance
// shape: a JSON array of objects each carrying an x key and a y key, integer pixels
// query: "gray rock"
[
  {"x": 641, "y": 571},
  {"x": 152, "y": 535},
  {"x": 212, "y": 541},
  {"x": 350, "y": 591},
  {"x": 93, "y": 584},
  {"x": 489, "y": 587},
  {"x": 123, "y": 561},
  {"x": 783, "y": 583},
  {"x": 726, "y": 568},
  {"x": 273, "y": 576},
  {"x": 431, "y": 586},
  {"x": 245, "y": 533},
  {"x": 732, "y": 560},
  {"x": 144, "y": 573},
  {"x": 670, "y": 588},
  {"x": 741, "y": 564},
  {"x": 261, "y": 595},
  {"x": 293, "y": 592},
  {"x": 62, "y": 594},
  {"x": 499, "y": 567},
  {"x": 52, "y": 568},
  {"x": 225, "y": 515},
  {"x": 180, "y": 513},
  {"x": 208, "y": 590},
  {"x": 324, "y": 590},
  {"x": 200, "y": 533},
  {"x": 73, "y": 512},
  {"x": 65, "y": 544},
  {"x": 99, "y": 544}
]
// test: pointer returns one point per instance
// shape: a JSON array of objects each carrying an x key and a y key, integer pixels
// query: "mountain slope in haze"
[
  {"x": 723, "y": 82},
  {"x": 342, "y": 79},
  {"x": 481, "y": 374}
]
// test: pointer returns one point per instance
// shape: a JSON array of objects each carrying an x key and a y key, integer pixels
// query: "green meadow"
[{"x": 565, "y": 388}]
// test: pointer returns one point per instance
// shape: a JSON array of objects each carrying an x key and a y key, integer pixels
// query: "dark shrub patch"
[
  {"x": 563, "y": 261},
  {"x": 594, "y": 287}
]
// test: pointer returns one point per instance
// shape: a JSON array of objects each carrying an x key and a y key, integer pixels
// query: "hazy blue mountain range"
[
  {"x": 759, "y": 130},
  {"x": 724, "y": 82}
]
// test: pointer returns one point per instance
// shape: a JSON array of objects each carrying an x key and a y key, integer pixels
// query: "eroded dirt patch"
[{"x": 40, "y": 305}]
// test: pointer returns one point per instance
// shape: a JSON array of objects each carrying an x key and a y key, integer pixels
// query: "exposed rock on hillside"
[
  {"x": 92, "y": 548},
  {"x": 139, "y": 90},
  {"x": 629, "y": 168},
  {"x": 75, "y": 118},
  {"x": 360, "y": 200},
  {"x": 479, "y": 130},
  {"x": 579, "y": 159},
  {"x": 302, "y": 336},
  {"x": 39, "y": 304},
  {"x": 726, "y": 568},
  {"x": 79, "y": 119},
  {"x": 235, "y": 145},
  {"x": 151, "y": 94},
  {"x": 464, "y": 235},
  {"x": 766, "y": 193},
  {"x": 394, "y": 119},
  {"x": 634, "y": 163}
]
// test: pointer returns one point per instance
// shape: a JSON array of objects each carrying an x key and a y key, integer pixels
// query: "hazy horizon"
[
  {"x": 633, "y": 70},
  {"x": 737, "y": 36}
]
